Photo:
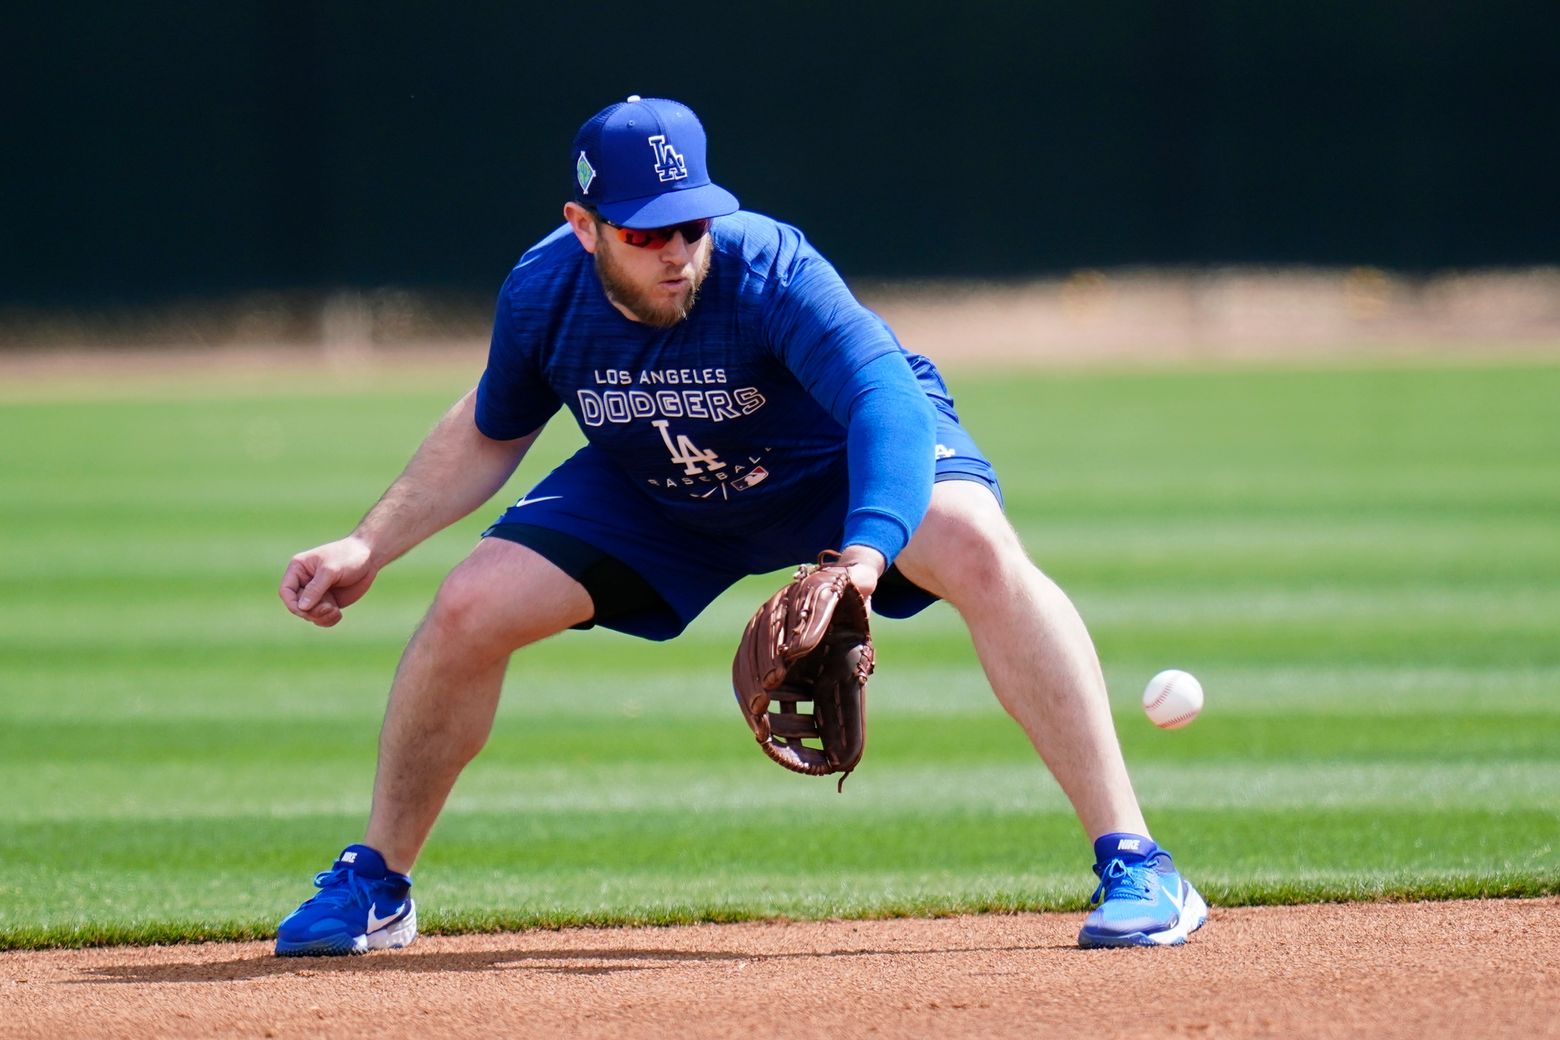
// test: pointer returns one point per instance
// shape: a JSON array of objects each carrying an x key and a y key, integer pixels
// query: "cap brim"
[{"x": 672, "y": 207}]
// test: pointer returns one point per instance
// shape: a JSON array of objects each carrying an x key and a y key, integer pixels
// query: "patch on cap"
[
  {"x": 584, "y": 172},
  {"x": 669, "y": 163}
]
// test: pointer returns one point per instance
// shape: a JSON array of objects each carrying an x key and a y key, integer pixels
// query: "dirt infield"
[{"x": 1466, "y": 969}]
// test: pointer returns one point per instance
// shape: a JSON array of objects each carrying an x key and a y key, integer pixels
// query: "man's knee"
[
  {"x": 965, "y": 546},
  {"x": 502, "y": 597},
  {"x": 463, "y": 606}
]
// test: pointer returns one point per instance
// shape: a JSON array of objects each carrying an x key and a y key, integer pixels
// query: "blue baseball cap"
[{"x": 640, "y": 164}]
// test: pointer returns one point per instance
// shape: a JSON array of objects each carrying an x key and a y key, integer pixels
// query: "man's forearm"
[
  {"x": 890, "y": 440},
  {"x": 455, "y": 470}
]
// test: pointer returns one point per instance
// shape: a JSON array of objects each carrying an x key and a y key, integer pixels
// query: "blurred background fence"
[{"x": 295, "y": 170}]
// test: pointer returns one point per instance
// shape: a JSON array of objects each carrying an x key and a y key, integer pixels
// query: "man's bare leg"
[
  {"x": 1034, "y": 647},
  {"x": 502, "y": 597}
]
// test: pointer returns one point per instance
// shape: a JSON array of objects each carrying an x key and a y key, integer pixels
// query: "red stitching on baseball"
[{"x": 1163, "y": 693}]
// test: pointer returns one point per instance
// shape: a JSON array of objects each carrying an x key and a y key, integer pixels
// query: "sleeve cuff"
[{"x": 886, "y": 533}]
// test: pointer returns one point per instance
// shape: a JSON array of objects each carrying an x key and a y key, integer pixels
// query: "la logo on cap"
[{"x": 669, "y": 166}]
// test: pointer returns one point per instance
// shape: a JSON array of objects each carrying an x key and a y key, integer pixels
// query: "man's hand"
[
  {"x": 322, "y": 582},
  {"x": 865, "y": 566}
]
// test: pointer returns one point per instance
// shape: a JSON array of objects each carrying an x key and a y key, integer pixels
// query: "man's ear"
[{"x": 583, "y": 223}]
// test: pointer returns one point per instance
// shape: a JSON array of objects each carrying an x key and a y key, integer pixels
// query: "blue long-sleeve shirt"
[{"x": 777, "y": 388}]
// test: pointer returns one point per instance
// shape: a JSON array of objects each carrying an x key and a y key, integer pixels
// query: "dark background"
[{"x": 172, "y": 150}]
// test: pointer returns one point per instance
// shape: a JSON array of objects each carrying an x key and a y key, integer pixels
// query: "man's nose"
[{"x": 677, "y": 250}]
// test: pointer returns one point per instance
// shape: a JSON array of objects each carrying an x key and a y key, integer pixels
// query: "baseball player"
[{"x": 743, "y": 413}]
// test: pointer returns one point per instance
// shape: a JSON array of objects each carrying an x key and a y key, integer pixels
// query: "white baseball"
[{"x": 1172, "y": 698}]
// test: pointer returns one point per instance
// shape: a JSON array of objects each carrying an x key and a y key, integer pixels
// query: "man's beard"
[{"x": 660, "y": 313}]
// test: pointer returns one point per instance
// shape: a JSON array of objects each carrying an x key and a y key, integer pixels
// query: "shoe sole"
[
  {"x": 1194, "y": 914},
  {"x": 392, "y": 936}
]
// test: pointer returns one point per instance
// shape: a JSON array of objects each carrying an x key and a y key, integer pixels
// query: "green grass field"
[{"x": 1362, "y": 565}]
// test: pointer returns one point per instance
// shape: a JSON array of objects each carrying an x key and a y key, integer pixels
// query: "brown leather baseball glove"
[{"x": 809, "y": 643}]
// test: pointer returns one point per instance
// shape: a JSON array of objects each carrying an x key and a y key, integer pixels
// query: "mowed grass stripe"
[
  {"x": 650, "y": 740},
  {"x": 342, "y": 688},
  {"x": 179, "y": 793},
  {"x": 1360, "y": 565}
]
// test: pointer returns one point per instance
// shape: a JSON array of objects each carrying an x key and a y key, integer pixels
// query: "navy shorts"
[{"x": 649, "y": 576}]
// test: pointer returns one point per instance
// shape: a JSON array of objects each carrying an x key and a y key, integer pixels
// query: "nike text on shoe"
[
  {"x": 361, "y": 905},
  {"x": 1142, "y": 902}
]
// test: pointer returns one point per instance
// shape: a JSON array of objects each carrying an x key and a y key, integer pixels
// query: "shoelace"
[
  {"x": 340, "y": 887},
  {"x": 1120, "y": 879}
]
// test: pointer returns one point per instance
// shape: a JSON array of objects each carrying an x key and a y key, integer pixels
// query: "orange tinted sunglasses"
[{"x": 657, "y": 238}]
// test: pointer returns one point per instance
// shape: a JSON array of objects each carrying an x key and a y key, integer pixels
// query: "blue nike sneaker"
[
  {"x": 1141, "y": 899},
  {"x": 361, "y": 905}
]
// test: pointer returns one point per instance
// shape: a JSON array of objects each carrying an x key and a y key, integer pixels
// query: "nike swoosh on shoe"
[{"x": 375, "y": 922}]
